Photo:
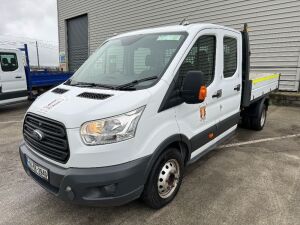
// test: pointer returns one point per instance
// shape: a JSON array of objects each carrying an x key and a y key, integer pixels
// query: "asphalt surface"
[{"x": 256, "y": 183}]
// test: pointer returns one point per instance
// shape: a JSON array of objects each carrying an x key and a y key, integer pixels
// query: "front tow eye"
[{"x": 70, "y": 193}]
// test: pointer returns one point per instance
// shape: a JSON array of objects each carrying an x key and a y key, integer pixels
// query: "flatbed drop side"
[
  {"x": 18, "y": 82},
  {"x": 144, "y": 106},
  {"x": 263, "y": 84}
]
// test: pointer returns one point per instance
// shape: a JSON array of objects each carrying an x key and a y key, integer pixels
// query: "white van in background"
[
  {"x": 18, "y": 83},
  {"x": 13, "y": 87}
]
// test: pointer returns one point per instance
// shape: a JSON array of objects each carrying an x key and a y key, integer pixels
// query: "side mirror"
[{"x": 193, "y": 89}]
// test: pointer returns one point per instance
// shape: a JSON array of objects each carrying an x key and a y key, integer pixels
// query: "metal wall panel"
[
  {"x": 77, "y": 33},
  {"x": 274, "y": 25}
]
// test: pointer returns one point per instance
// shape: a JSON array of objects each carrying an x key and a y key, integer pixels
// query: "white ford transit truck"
[{"x": 143, "y": 106}]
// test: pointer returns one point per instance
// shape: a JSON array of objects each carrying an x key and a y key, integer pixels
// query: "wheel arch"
[
  {"x": 267, "y": 102},
  {"x": 251, "y": 111},
  {"x": 179, "y": 141}
]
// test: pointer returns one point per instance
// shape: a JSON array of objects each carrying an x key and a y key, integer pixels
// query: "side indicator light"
[
  {"x": 202, "y": 93},
  {"x": 211, "y": 135}
]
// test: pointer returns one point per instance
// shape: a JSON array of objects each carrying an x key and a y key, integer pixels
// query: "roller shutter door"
[{"x": 77, "y": 37}]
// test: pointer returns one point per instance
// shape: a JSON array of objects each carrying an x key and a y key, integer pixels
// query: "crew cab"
[
  {"x": 18, "y": 83},
  {"x": 145, "y": 105}
]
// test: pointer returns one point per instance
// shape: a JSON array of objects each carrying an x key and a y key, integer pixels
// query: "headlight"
[{"x": 111, "y": 130}]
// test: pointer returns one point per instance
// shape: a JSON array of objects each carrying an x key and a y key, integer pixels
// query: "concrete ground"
[{"x": 245, "y": 184}]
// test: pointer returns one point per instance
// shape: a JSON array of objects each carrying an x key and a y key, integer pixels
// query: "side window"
[
  {"x": 201, "y": 57},
  {"x": 230, "y": 56},
  {"x": 9, "y": 61}
]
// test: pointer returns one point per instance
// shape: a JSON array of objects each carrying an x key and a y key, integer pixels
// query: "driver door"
[{"x": 199, "y": 121}]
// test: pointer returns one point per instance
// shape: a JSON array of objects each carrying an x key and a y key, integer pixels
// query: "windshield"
[{"x": 130, "y": 59}]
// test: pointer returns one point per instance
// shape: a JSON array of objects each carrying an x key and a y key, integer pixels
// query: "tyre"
[
  {"x": 258, "y": 122},
  {"x": 164, "y": 180}
]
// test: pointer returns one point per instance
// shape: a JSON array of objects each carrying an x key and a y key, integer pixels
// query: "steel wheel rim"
[
  {"x": 168, "y": 178},
  {"x": 263, "y": 118}
]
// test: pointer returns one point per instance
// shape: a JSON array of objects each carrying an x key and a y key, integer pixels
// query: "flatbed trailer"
[{"x": 47, "y": 78}]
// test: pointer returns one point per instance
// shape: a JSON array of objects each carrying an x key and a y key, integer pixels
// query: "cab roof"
[{"x": 191, "y": 28}]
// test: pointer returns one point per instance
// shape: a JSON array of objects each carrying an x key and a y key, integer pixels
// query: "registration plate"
[{"x": 37, "y": 169}]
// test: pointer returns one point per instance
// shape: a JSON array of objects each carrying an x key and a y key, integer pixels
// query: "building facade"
[{"x": 274, "y": 27}]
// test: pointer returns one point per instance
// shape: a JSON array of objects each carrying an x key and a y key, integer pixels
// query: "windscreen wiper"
[
  {"x": 135, "y": 82},
  {"x": 84, "y": 84}
]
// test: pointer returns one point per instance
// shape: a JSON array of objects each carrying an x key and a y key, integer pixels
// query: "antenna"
[
  {"x": 245, "y": 27},
  {"x": 184, "y": 22}
]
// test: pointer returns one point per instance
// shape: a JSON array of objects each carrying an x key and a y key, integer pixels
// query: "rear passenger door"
[
  {"x": 198, "y": 121},
  {"x": 231, "y": 78}
]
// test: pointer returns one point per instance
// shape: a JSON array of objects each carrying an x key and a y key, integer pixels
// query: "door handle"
[
  {"x": 218, "y": 94},
  {"x": 18, "y": 77},
  {"x": 237, "y": 87}
]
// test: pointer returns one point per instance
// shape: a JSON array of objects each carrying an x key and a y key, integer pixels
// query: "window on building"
[
  {"x": 141, "y": 60},
  {"x": 9, "y": 61},
  {"x": 230, "y": 56},
  {"x": 115, "y": 60},
  {"x": 201, "y": 57}
]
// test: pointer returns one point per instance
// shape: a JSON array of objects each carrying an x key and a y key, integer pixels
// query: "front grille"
[
  {"x": 52, "y": 142},
  {"x": 96, "y": 96}
]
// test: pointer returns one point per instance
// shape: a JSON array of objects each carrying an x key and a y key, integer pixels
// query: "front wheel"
[{"x": 164, "y": 180}]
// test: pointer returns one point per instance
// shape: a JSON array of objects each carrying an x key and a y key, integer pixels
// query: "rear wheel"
[
  {"x": 254, "y": 117},
  {"x": 164, "y": 180},
  {"x": 258, "y": 122}
]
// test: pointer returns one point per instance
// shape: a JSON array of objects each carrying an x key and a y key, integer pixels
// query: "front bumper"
[{"x": 105, "y": 186}]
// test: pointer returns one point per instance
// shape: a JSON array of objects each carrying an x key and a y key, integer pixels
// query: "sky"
[{"x": 29, "y": 21}]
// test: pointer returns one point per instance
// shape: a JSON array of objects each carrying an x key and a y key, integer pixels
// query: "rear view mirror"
[{"x": 193, "y": 89}]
